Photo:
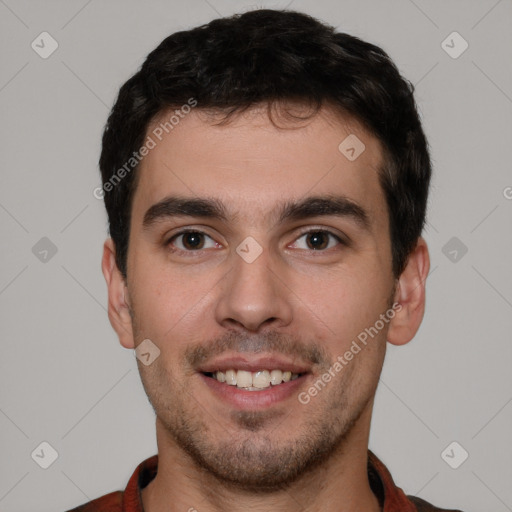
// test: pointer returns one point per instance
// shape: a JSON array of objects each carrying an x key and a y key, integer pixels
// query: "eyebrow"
[{"x": 291, "y": 210}]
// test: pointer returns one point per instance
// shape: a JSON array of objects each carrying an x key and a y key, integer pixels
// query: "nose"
[{"x": 254, "y": 295}]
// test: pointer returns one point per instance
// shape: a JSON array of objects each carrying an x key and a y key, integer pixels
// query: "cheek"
[
  {"x": 344, "y": 302},
  {"x": 168, "y": 303}
]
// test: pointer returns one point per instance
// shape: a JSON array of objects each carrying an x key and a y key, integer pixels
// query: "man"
[{"x": 266, "y": 181}]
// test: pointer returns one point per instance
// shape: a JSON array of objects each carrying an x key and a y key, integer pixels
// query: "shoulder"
[
  {"x": 423, "y": 506},
  {"x": 112, "y": 502}
]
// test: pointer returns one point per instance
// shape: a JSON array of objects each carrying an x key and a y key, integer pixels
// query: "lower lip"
[{"x": 243, "y": 399}]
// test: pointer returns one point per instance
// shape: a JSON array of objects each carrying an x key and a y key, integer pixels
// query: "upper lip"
[{"x": 252, "y": 364}]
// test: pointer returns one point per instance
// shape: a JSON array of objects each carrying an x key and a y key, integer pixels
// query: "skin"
[{"x": 291, "y": 300}]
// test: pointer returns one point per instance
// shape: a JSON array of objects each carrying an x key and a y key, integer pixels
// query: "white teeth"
[
  {"x": 261, "y": 379},
  {"x": 243, "y": 379},
  {"x": 254, "y": 381},
  {"x": 230, "y": 377},
  {"x": 276, "y": 377}
]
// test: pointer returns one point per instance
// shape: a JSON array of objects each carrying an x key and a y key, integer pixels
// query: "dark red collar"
[{"x": 391, "y": 497}]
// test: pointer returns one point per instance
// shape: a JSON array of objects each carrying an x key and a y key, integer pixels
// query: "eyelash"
[{"x": 195, "y": 231}]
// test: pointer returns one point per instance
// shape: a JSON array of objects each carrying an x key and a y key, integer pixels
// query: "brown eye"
[
  {"x": 193, "y": 240},
  {"x": 318, "y": 240},
  {"x": 189, "y": 241}
]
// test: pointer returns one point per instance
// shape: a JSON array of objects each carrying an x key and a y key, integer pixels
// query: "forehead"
[{"x": 252, "y": 165}]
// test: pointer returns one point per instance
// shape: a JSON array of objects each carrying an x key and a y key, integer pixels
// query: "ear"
[
  {"x": 410, "y": 294},
  {"x": 118, "y": 304}
]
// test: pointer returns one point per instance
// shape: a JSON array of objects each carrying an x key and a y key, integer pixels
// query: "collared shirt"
[{"x": 391, "y": 498}]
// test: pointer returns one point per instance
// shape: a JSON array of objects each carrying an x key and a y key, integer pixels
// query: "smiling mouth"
[{"x": 253, "y": 381}]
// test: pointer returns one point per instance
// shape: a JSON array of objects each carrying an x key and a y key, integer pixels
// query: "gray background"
[{"x": 64, "y": 377}]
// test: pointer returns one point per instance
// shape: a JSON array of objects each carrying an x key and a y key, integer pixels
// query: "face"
[{"x": 258, "y": 248}]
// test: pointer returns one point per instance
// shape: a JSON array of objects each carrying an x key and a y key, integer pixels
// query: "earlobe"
[
  {"x": 410, "y": 294},
  {"x": 118, "y": 302}
]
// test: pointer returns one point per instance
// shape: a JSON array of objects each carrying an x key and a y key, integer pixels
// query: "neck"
[{"x": 338, "y": 485}]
